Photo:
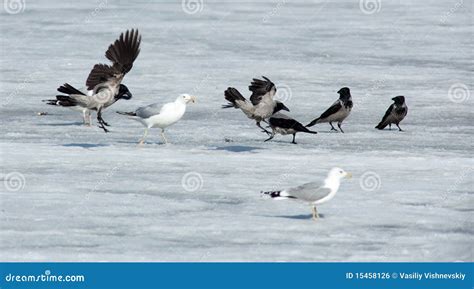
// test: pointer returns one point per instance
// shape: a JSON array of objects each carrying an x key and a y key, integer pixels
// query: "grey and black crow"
[
  {"x": 395, "y": 113},
  {"x": 283, "y": 124},
  {"x": 261, "y": 105},
  {"x": 338, "y": 111},
  {"x": 105, "y": 80}
]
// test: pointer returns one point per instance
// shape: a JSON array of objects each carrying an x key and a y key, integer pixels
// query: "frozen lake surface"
[{"x": 83, "y": 195}]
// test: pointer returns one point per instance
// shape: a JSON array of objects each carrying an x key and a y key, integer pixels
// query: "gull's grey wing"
[
  {"x": 310, "y": 192},
  {"x": 148, "y": 111}
]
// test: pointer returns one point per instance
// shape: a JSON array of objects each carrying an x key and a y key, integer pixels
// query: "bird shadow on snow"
[
  {"x": 85, "y": 145},
  {"x": 296, "y": 217},
  {"x": 63, "y": 124},
  {"x": 237, "y": 148}
]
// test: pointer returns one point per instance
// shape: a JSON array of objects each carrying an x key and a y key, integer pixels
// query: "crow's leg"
[
  {"x": 293, "y": 141},
  {"x": 272, "y": 135},
  {"x": 332, "y": 127},
  {"x": 399, "y": 127},
  {"x": 101, "y": 120},
  {"x": 339, "y": 125},
  {"x": 263, "y": 130}
]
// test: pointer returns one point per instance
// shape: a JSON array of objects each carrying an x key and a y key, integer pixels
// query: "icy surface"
[{"x": 91, "y": 196}]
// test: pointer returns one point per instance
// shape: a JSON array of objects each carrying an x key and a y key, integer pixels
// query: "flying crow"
[
  {"x": 261, "y": 105},
  {"x": 105, "y": 80}
]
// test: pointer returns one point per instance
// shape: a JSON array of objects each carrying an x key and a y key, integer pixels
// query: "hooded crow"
[
  {"x": 338, "y": 111},
  {"x": 395, "y": 113},
  {"x": 283, "y": 124},
  {"x": 314, "y": 193},
  {"x": 86, "y": 113},
  {"x": 105, "y": 80},
  {"x": 261, "y": 105},
  {"x": 155, "y": 115}
]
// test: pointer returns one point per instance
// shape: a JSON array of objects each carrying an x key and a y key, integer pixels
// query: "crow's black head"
[
  {"x": 124, "y": 93},
  {"x": 280, "y": 106},
  {"x": 399, "y": 99},
  {"x": 344, "y": 93}
]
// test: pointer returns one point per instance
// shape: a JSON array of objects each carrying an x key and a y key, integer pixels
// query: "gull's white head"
[
  {"x": 338, "y": 174},
  {"x": 186, "y": 98}
]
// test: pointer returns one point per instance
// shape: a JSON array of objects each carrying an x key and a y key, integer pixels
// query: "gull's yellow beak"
[{"x": 349, "y": 175}]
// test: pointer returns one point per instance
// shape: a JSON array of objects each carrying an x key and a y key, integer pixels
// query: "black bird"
[
  {"x": 105, "y": 80},
  {"x": 395, "y": 113},
  {"x": 283, "y": 124},
  {"x": 338, "y": 111},
  {"x": 261, "y": 105}
]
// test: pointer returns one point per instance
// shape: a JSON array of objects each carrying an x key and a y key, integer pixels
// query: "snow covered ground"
[{"x": 74, "y": 193}]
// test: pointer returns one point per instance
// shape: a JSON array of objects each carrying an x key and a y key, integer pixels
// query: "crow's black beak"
[
  {"x": 127, "y": 95},
  {"x": 285, "y": 108}
]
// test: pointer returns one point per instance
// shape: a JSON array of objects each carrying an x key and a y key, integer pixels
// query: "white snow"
[{"x": 91, "y": 196}]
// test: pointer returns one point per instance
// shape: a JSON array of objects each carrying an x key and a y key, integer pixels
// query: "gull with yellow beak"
[
  {"x": 314, "y": 193},
  {"x": 155, "y": 115}
]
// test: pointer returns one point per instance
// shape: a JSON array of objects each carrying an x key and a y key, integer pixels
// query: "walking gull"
[
  {"x": 315, "y": 193},
  {"x": 154, "y": 115}
]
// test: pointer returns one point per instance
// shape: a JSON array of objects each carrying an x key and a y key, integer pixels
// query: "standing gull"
[
  {"x": 338, "y": 111},
  {"x": 314, "y": 193},
  {"x": 105, "y": 80},
  {"x": 261, "y": 105},
  {"x": 283, "y": 124},
  {"x": 395, "y": 113},
  {"x": 155, "y": 115}
]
